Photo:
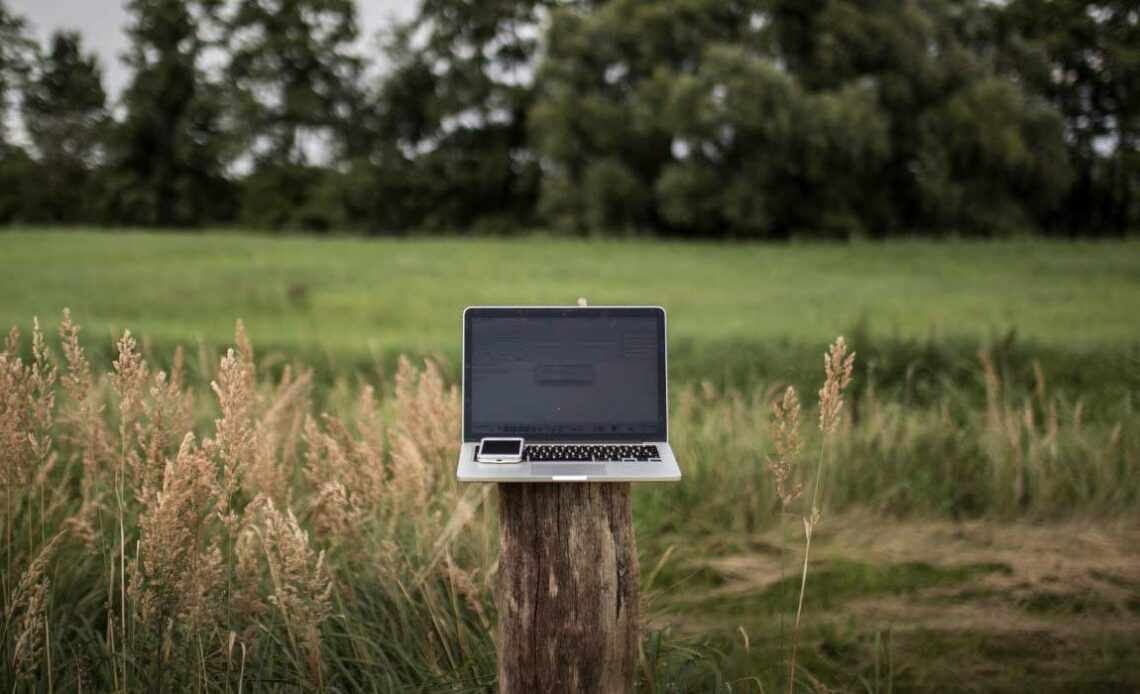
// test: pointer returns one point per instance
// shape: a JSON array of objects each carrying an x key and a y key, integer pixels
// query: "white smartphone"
[{"x": 500, "y": 450}]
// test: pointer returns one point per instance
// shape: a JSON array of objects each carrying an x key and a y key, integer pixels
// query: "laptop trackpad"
[{"x": 560, "y": 470}]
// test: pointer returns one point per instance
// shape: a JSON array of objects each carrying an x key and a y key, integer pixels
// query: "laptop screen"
[{"x": 564, "y": 374}]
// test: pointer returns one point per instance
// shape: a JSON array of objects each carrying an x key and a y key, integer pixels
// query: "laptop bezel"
[{"x": 661, "y": 435}]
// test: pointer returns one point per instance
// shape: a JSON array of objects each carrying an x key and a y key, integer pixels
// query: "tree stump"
[{"x": 567, "y": 594}]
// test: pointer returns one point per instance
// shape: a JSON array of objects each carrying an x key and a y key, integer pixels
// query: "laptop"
[{"x": 565, "y": 394}]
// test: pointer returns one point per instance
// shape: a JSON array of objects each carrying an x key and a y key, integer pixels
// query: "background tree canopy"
[{"x": 705, "y": 118}]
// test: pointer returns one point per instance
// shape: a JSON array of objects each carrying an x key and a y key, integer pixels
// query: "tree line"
[{"x": 705, "y": 118}]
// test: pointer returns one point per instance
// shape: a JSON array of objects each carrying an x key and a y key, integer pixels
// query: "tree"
[
  {"x": 990, "y": 159},
  {"x": 64, "y": 114},
  {"x": 972, "y": 150},
  {"x": 18, "y": 171},
  {"x": 294, "y": 74},
  {"x": 294, "y": 82},
  {"x": 16, "y": 53},
  {"x": 452, "y": 112},
  {"x": 680, "y": 116},
  {"x": 756, "y": 155},
  {"x": 603, "y": 87},
  {"x": 1084, "y": 57},
  {"x": 167, "y": 167}
]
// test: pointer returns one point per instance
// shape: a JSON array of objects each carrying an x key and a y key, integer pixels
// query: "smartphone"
[{"x": 500, "y": 450}]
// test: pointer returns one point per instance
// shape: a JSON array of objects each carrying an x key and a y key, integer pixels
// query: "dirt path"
[
  {"x": 1068, "y": 571},
  {"x": 978, "y": 606}
]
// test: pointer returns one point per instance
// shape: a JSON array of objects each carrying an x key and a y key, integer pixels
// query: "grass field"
[
  {"x": 980, "y": 505},
  {"x": 351, "y": 295}
]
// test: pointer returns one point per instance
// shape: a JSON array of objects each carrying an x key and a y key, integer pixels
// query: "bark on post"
[{"x": 567, "y": 594}]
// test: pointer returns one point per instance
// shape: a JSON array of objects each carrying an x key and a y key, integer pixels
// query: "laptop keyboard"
[{"x": 587, "y": 452}]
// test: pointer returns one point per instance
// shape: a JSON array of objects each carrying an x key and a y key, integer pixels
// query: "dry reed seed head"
[
  {"x": 423, "y": 433},
  {"x": 993, "y": 387},
  {"x": 16, "y": 453},
  {"x": 41, "y": 357},
  {"x": 266, "y": 474},
  {"x": 423, "y": 402},
  {"x": 302, "y": 587},
  {"x": 42, "y": 381},
  {"x": 292, "y": 396},
  {"x": 328, "y": 468},
  {"x": 77, "y": 380},
  {"x": 425, "y": 426},
  {"x": 81, "y": 525},
  {"x": 129, "y": 381},
  {"x": 325, "y": 460},
  {"x": 178, "y": 369},
  {"x": 12, "y": 342},
  {"x": 29, "y": 634},
  {"x": 334, "y": 516},
  {"x": 30, "y": 597},
  {"x": 786, "y": 428},
  {"x": 364, "y": 471},
  {"x": 180, "y": 571},
  {"x": 412, "y": 474},
  {"x": 838, "y": 367},
  {"x": 276, "y": 436},
  {"x": 27, "y": 411},
  {"x": 245, "y": 354},
  {"x": 235, "y": 431},
  {"x": 1114, "y": 436},
  {"x": 33, "y": 574},
  {"x": 84, "y": 425},
  {"x": 315, "y": 469},
  {"x": 1039, "y": 382},
  {"x": 339, "y": 436},
  {"x": 129, "y": 375},
  {"x": 167, "y": 418}
]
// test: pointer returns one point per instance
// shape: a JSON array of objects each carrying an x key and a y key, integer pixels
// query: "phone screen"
[{"x": 501, "y": 448}]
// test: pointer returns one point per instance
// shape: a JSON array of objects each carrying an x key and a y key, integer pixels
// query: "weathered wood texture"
[{"x": 567, "y": 588}]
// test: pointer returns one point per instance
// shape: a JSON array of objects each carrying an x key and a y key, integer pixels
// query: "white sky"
[{"x": 101, "y": 22}]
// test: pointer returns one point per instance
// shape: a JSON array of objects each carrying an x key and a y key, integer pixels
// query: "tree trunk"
[{"x": 567, "y": 588}]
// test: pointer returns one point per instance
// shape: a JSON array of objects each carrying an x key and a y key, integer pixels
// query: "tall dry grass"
[
  {"x": 162, "y": 537},
  {"x": 1025, "y": 452},
  {"x": 838, "y": 366},
  {"x": 235, "y": 525}
]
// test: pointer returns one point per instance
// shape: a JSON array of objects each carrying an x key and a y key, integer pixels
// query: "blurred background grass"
[
  {"x": 739, "y": 314},
  {"x": 350, "y": 296}
]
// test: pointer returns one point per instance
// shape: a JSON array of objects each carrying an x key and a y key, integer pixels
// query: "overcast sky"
[{"x": 102, "y": 21}]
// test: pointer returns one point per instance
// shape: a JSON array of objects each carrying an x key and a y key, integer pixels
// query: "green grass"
[
  {"x": 840, "y": 580},
  {"x": 349, "y": 295}
]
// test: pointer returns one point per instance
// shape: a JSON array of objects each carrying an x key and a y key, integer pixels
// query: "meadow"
[
  {"x": 275, "y": 508},
  {"x": 354, "y": 296}
]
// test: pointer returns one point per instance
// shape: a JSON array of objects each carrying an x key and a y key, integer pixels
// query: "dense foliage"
[{"x": 737, "y": 119}]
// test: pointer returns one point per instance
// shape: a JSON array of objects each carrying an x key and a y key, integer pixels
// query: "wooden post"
[{"x": 567, "y": 594}]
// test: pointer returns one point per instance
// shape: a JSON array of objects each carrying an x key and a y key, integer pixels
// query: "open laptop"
[{"x": 584, "y": 388}]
